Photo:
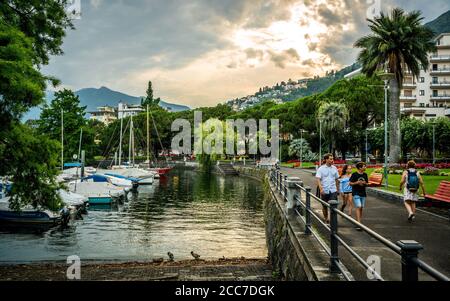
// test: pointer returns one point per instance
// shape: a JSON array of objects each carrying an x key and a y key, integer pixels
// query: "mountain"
[
  {"x": 93, "y": 98},
  {"x": 441, "y": 24}
]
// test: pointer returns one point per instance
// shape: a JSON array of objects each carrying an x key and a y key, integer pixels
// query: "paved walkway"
[{"x": 389, "y": 219}]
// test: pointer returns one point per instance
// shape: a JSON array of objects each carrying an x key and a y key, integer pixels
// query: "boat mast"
[
  {"x": 120, "y": 143},
  {"x": 148, "y": 140},
  {"x": 131, "y": 139},
  {"x": 62, "y": 140}
]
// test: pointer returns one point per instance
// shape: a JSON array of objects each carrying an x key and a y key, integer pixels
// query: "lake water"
[{"x": 212, "y": 215}]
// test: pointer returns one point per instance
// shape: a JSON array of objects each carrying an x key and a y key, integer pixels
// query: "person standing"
[
  {"x": 359, "y": 181},
  {"x": 413, "y": 180},
  {"x": 346, "y": 189},
  {"x": 327, "y": 182}
]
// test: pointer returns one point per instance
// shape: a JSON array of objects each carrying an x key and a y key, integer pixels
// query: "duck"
[
  {"x": 171, "y": 257},
  {"x": 196, "y": 256}
]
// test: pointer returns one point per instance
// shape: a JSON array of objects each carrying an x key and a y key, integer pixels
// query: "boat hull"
[
  {"x": 100, "y": 200},
  {"x": 35, "y": 217}
]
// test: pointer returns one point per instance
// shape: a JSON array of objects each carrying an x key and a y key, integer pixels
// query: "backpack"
[{"x": 413, "y": 181}]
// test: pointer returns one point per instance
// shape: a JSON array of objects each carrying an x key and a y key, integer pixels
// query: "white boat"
[
  {"x": 98, "y": 192},
  {"x": 144, "y": 176},
  {"x": 76, "y": 203}
]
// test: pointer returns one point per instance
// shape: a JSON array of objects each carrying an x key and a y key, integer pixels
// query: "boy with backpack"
[{"x": 413, "y": 180}]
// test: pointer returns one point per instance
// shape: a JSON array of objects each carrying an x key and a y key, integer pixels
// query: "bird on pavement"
[
  {"x": 171, "y": 257},
  {"x": 196, "y": 256}
]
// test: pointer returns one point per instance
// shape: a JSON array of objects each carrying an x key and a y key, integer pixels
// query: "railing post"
[
  {"x": 285, "y": 178},
  {"x": 292, "y": 191},
  {"x": 410, "y": 250},
  {"x": 333, "y": 240},
  {"x": 307, "y": 213},
  {"x": 298, "y": 204},
  {"x": 280, "y": 181}
]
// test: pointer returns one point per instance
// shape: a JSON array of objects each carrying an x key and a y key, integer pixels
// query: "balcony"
[
  {"x": 409, "y": 85},
  {"x": 440, "y": 71},
  {"x": 439, "y": 58},
  {"x": 408, "y": 98},
  {"x": 447, "y": 112},
  {"x": 440, "y": 85},
  {"x": 441, "y": 97}
]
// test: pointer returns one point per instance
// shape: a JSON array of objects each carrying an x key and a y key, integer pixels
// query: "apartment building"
[
  {"x": 104, "y": 114},
  {"x": 429, "y": 96},
  {"x": 126, "y": 110}
]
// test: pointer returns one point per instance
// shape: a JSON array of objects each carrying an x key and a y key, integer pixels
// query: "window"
[
  {"x": 435, "y": 93},
  {"x": 435, "y": 80},
  {"x": 422, "y": 79},
  {"x": 430, "y": 115},
  {"x": 407, "y": 105},
  {"x": 435, "y": 67},
  {"x": 422, "y": 105},
  {"x": 422, "y": 92}
]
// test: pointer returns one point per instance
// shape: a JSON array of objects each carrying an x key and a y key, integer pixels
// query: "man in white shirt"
[{"x": 328, "y": 183}]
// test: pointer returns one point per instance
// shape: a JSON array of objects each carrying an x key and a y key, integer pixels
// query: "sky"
[{"x": 204, "y": 52}]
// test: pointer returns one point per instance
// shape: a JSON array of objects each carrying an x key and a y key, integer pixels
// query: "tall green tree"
[
  {"x": 398, "y": 41},
  {"x": 50, "y": 123},
  {"x": 45, "y": 22},
  {"x": 149, "y": 99},
  {"x": 334, "y": 117},
  {"x": 21, "y": 85}
]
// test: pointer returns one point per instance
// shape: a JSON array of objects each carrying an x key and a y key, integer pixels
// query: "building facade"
[
  {"x": 104, "y": 114},
  {"x": 125, "y": 110},
  {"x": 428, "y": 96}
]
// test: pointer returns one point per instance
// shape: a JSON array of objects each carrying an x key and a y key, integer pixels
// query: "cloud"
[{"x": 206, "y": 51}]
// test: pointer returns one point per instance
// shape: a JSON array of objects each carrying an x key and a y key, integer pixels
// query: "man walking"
[
  {"x": 328, "y": 183},
  {"x": 359, "y": 181},
  {"x": 412, "y": 178}
]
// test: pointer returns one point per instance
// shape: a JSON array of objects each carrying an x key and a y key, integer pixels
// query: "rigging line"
[
  {"x": 159, "y": 138},
  {"x": 142, "y": 142},
  {"x": 106, "y": 152}
]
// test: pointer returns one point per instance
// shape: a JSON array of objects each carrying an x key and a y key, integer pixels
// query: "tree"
[
  {"x": 29, "y": 159},
  {"x": 334, "y": 117},
  {"x": 397, "y": 41},
  {"x": 44, "y": 22},
  {"x": 300, "y": 148},
  {"x": 149, "y": 100},
  {"x": 21, "y": 85},
  {"x": 68, "y": 103}
]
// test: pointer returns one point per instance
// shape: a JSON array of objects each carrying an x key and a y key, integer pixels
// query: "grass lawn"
[
  {"x": 304, "y": 165},
  {"x": 431, "y": 182}
]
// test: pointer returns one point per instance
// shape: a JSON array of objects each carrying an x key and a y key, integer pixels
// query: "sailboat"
[{"x": 159, "y": 170}]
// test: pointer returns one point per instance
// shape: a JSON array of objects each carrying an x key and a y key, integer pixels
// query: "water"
[{"x": 211, "y": 215}]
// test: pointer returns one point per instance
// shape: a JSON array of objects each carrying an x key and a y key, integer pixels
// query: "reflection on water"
[{"x": 212, "y": 215}]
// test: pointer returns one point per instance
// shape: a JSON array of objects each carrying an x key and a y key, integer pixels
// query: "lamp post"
[
  {"x": 386, "y": 77},
  {"x": 320, "y": 142},
  {"x": 301, "y": 148},
  {"x": 434, "y": 141}
]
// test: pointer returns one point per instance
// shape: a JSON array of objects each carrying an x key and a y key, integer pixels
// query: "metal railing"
[{"x": 291, "y": 189}]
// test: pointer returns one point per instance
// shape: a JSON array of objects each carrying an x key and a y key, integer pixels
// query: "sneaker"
[
  {"x": 358, "y": 229},
  {"x": 342, "y": 208},
  {"x": 410, "y": 217}
]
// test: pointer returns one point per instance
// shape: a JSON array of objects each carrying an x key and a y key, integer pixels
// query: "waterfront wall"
[{"x": 293, "y": 254}]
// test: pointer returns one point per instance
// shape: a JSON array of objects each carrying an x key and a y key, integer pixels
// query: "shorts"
[
  {"x": 328, "y": 197},
  {"x": 410, "y": 196},
  {"x": 359, "y": 201},
  {"x": 349, "y": 192}
]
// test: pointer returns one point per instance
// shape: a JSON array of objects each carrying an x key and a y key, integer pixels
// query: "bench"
[
  {"x": 375, "y": 180},
  {"x": 442, "y": 194}
]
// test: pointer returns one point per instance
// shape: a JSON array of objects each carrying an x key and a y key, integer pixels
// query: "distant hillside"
[
  {"x": 93, "y": 98},
  {"x": 441, "y": 24}
]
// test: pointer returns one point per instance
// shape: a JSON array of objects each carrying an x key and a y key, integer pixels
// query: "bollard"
[
  {"x": 292, "y": 191},
  {"x": 410, "y": 250},
  {"x": 333, "y": 240},
  {"x": 308, "y": 208}
]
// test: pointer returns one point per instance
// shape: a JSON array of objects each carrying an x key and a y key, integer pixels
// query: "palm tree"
[
  {"x": 397, "y": 42},
  {"x": 334, "y": 117}
]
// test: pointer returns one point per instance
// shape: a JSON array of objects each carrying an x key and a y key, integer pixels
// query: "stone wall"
[{"x": 293, "y": 254}]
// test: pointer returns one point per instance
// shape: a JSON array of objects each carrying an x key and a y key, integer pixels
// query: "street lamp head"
[{"x": 385, "y": 75}]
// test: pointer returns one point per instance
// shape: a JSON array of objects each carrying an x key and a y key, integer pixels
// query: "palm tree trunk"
[{"x": 394, "y": 119}]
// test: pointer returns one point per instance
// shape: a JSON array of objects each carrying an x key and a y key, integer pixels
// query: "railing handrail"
[{"x": 275, "y": 176}]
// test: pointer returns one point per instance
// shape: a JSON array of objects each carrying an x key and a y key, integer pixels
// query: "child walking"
[{"x": 346, "y": 189}]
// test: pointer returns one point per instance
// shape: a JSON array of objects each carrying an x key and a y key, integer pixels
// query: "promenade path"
[{"x": 389, "y": 219}]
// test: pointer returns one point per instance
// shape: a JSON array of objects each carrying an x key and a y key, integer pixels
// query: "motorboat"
[
  {"x": 31, "y": 216},
  {"x": 76, "y": 203},
  {"x": 98, "y": 192}
]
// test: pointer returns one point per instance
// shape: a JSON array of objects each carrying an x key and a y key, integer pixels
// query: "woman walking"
[
  {"x": 413, "y": 180},
  {"x": 346, "y": 189}
]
